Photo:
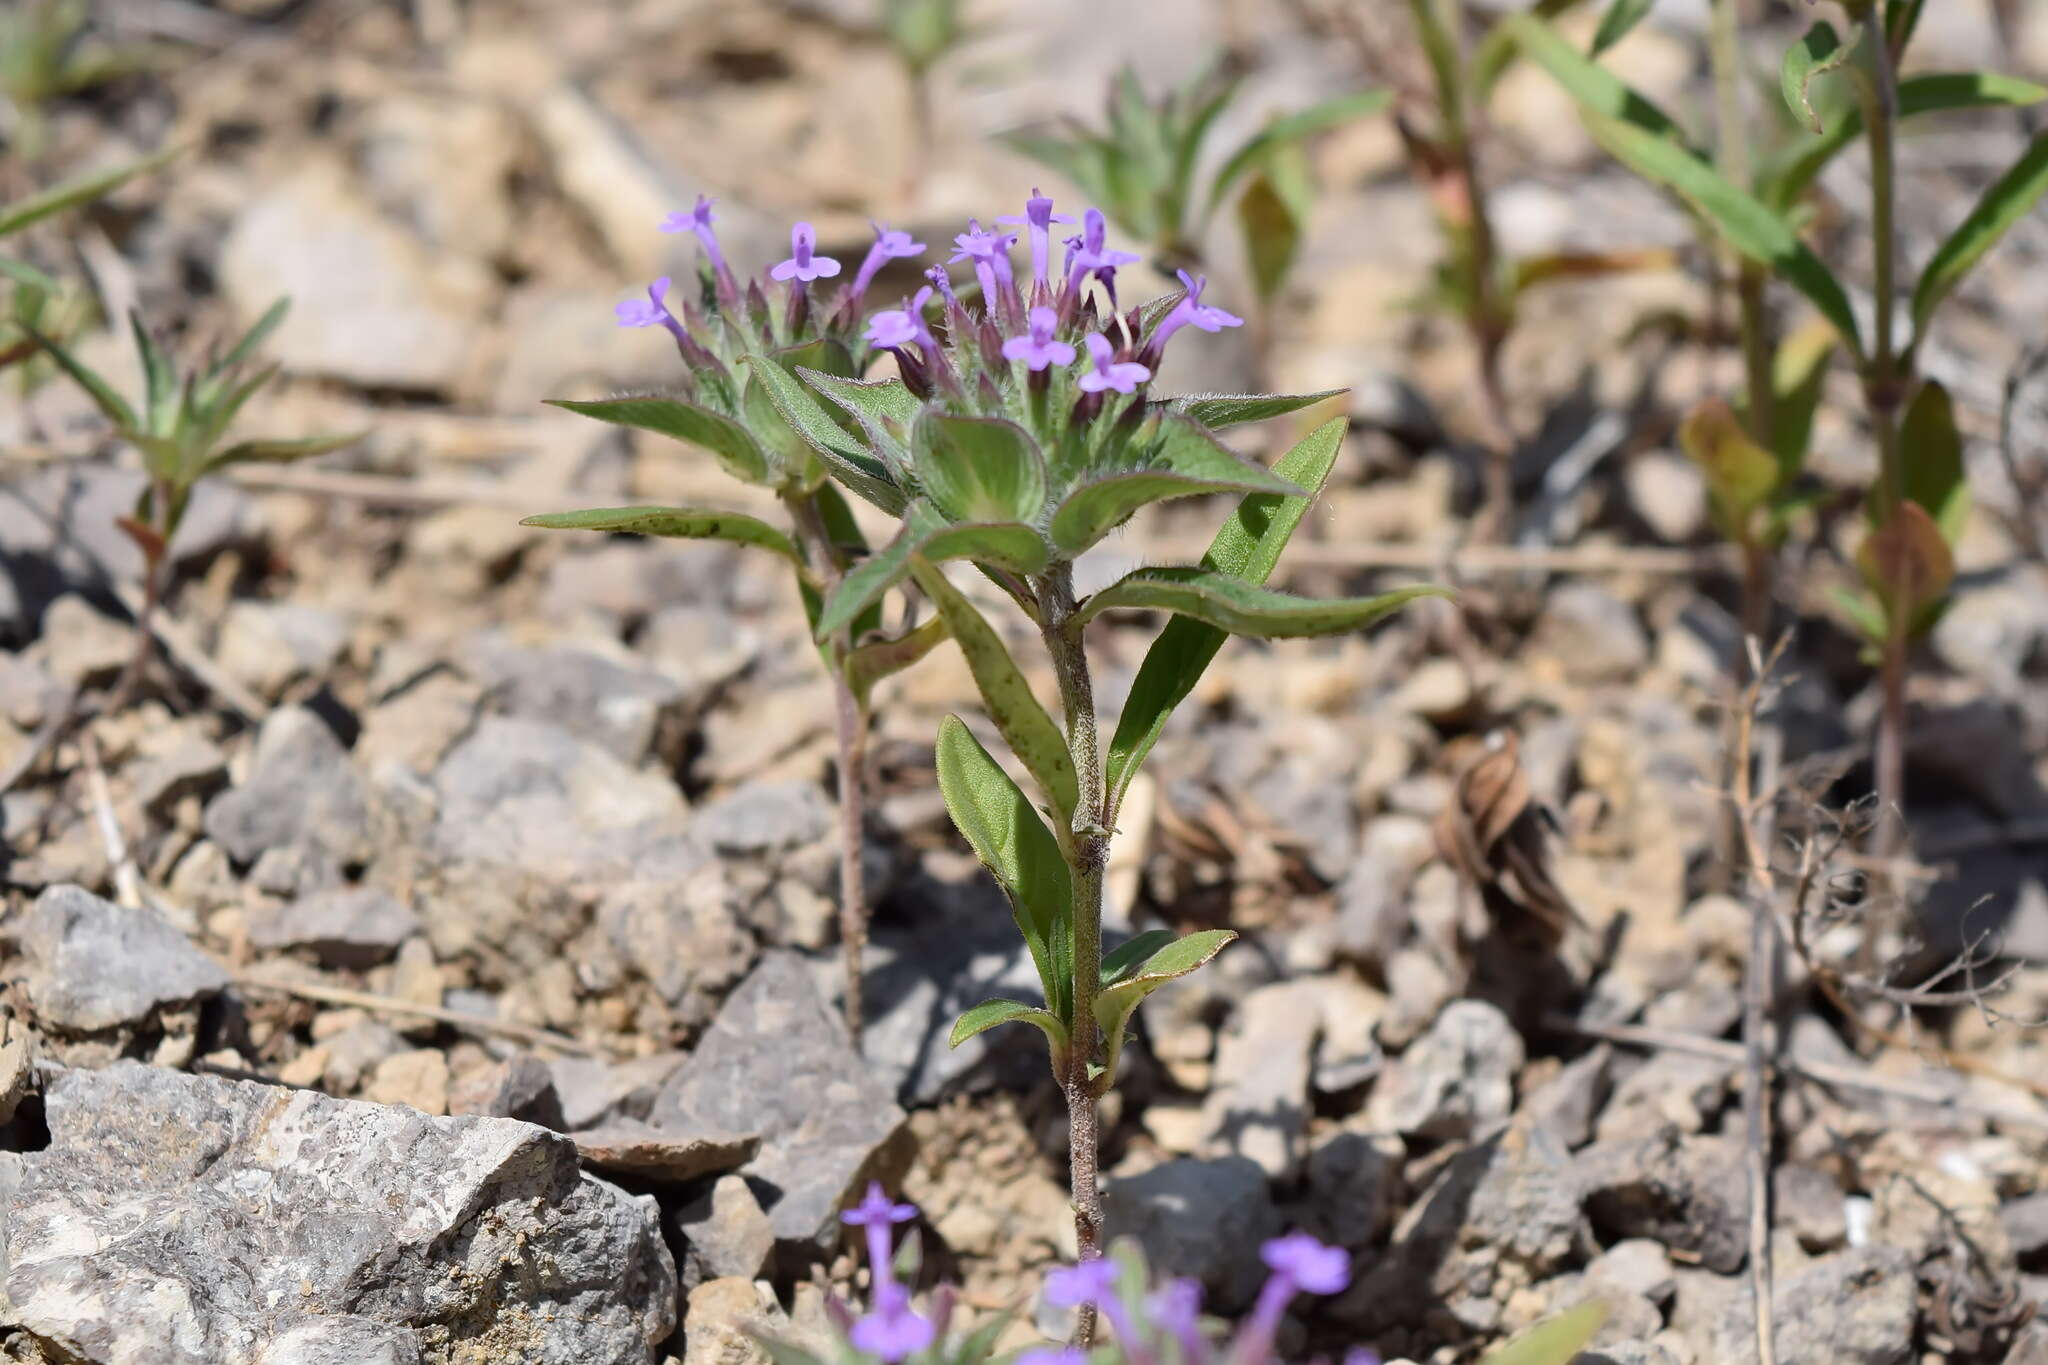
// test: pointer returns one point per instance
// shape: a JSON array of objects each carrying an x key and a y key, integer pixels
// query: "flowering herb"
[
  {"x": 1018, "y": 431},
  {"x": 181, "y": 428},
  {"x": 1918, "y": 504},
  {"x": 726, "y": 333}
]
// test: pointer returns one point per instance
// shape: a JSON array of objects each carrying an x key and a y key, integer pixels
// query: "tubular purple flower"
[
  {"x": 698, "y": 220},
  {"x": 1094, "y": 1282},
  {"x": 1054, "y": 1355},
  {"x": 803, "y": 265},
  {"x": 1191, "y": 312},
  {"x": 890, "y": 244},
  {"x": 1300, "y": 1264},
  {"x": 1093, "y": 252},
  {"x": 893, "y": 1330},
  {"x": 1176, "y": 1308},
  {"x": 1110, "y": 373},
  {"x": 878, "y": 1215},
  {"x": 1361, "y": 1355},
  {"x": 1038, "y": 219},
  {"x": 990, "y": 252},
  {"x": 654, "y": 312},
  {"x": 1039, "y": 350},
  {"x": 898, "y": 327}
]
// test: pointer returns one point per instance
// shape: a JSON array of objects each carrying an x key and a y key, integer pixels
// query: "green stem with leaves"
[{"x": 1086, "y": 847}]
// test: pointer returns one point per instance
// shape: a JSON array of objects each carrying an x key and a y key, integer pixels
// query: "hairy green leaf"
[
  {"x": 1229, "y": 603},
  {"x": 69, "y": 194},
  {"x": 111, "y": 404},
  {"x": 1189, "y": 460},
  {"x": 979, "y": 468},
  {"x": 1218, "y": 410},
  {"x": 868, "y": 664},
  {"x": 1011, "y": 840},
  {"x": 1554, "y": 1341},
  {"x": 989, "y": 1013},
  {"x": 1249, "y": 546},
  {"x": 2004, "y": 204},
  {"x": 1114, "y": 1005},
  {"x": 1030, "y": 732},
  {"x": 1133, "y": 953},
  {"x": 281, "y": 450},
  {"x": 684, "y": 523},
  {"x": 1817, "y": 52},
  {"x": 848, "y": 463},
  {"x": 1006, "y": 545},
  {"x": 731, "y": 444}
]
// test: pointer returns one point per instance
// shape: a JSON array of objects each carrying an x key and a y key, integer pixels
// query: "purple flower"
[
  {"x": 1040, "y": 350},
  {"x": 978, "y": 245},
  {"x": 896, "y": 327},
  {"x": 1176, "y": 1309},
  {"x": 1191, "y": 312},
  {"x": 893, "y": 1330},
  {"x": 698, "y": 220},
  {"x": 1053, "y": 1355},
  {"x": 1090, "y": 249},
  {"x": 1360, "y": 1355},
  {"x": 879, "y": 1214},
  {"x": 653, "y": 313},
  {"x": 1038, "y": 220},
  {"x": 802, "y": 265},
  {"x": 1308, "y": 1264},
  {"x": 890, "y": 244},
  {"x": 1109, "y": 373},
  {"x": 1070, "y": 1286}
]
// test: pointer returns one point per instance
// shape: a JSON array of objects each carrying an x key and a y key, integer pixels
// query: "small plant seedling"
[
  {"x": 729, "y": 338},
  {"x": 47, "y": 51},
  {"x": 1018, "y": 433},
  {"x": 181, "y": 428}
]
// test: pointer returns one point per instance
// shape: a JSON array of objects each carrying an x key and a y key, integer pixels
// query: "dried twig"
[
  {"x": 127, "y": 880},
  {"x": 364, "y": 1000}
]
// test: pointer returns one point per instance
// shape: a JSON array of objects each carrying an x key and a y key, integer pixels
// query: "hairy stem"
[
  {"x": 1087, "y": 858},
  {"x": 852, "y": 734}
]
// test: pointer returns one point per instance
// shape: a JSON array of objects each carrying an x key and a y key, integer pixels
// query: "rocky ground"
[{"x": 431, "y": 815}]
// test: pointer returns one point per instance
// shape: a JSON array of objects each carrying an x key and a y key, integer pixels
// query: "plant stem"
[
  {"x": 852, "y": 735},
  {"x": 153, "y": 561},
  {"x": 1087, "y": 854}
]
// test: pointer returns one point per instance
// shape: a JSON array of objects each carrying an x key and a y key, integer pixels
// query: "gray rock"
[
  {"x": 776, "y": 1061},
  {"x": 685, "y": 935},
  {"x": 343, "y": 1341},
  {"x": 594, "y": 1092},
  {"x": 1455, "y": 1080},
  {"x": 620, "y": 709},
  {"x": 725, "y": 1233},
  {"x": 1353, "y": 1186},
  {"x": 2026, "y": 1223},
  {"x": 647, "y": 1153},
  {"x": 1853, "y": 1308},
  {"x": 186, "y": 764},
  {"x": 342, "y": 927},
  {"x": 93, "y": 967},
  {"x": 82, "y": 645},
  {"x": 520, "y": 1087},
  {"x": 1629, "y": 1353},
  {"x": 270, "y": 645},
  {"x": 764, "y": 817},
  {"x": 1688, "y": 1192},
  {"x": 191, "y": 1220},
  {"x": 1806, "y": 1201},
  {"x": 532, "y": 797},
  {"x": 1592, "y": 633},
  {"x": 1201, "y": 1219},
  {"x": 1258, "y": 1104},
  {"x": 1567, "y": 1102},
  {"x": 304, "y": 796}
]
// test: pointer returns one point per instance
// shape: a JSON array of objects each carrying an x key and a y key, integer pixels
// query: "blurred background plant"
[
  {"x": 49, "y": 50},
  {"x": 922, "y": 32}
]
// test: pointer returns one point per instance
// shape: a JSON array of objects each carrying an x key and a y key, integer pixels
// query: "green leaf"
[
  {"x": 1618, "y": 22},
  {"x": 731, "y": 444},
  {"x": 1081, "y": 158},
  {"x": 1023, "y": 723},
  {"x": 1188, "y": 459},
  {"x": 1799, "y": 373},
  {"x": 1598, "y": 90},
  {"x": 1907, "y": 563},
  {"x": 1933, "y": 455},
  {"x": 1248, "y": 546},
  {"x": 1817, "y": 52},
  {"x": 1498, "y": 49},
  {"x": 159, "y": 380},
  {"x": 1114, "y": 1006},
  {"x": 883, "y": 408},
  {"x": 683, "y": 523},
  {"x": 1740, "y": 474},
  {"x": 1128, "y": 956},
  {"x": 1273, "y": 228},
  {"x": 979, "y": 468},
  {"x": 1792, "y": 170},
  {"x": 1742, "y": 220},
  {"x": 1229, "y": 603},
  {"x": 1317, "y": 118},
  {"x": 1011, "y": 840},
  {"x": 258, "y": 333},
  {"x": 868, "y": 664},
  {"x": 852, "y": 466},
  {"x": 1007, "y": 545},
  {"x": 71, "y": 193},
  {"x": 1554, "y": 1341},
  {"x": 2004, "y": 204},
  {"x": 110, "y": 403},
  {"x": 281, "y": 451},
  {"x": 1218, "y": 410},
  {"x": 989, "y": 1013}
]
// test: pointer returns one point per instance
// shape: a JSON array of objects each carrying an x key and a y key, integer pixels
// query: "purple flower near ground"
[
  {"x": 896, "y": 327},
  {"x": 1309, "y": 1265},
  {"x": 653, "y": 313},
  {"x": 878, "y": 1214},
  {"x": 1038, "y": 219},
  {"x": 893, "y": 1330},
  {"x": 1070, "y": 1286},
  {"x": 1110, "y": 373},
  {"x": 1040, "y": 349},
  {"x": 803, "y": 264},
  {"x": 890, "y": 244}
]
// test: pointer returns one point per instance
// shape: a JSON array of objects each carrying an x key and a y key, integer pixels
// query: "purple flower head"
[
  {"x": 1038, "y": 219},
  {"x": 1109, "y": 373},
  {"x": 890, "y": 244},
  {"x": 893, "y": 1330},
  {"x": 1203, "y": 316},
  {"x": 1054, "y": 1355},
  {"x": 698, "y": 220},
  {"x": 1070, "y": 1286},
  {"x": 899, "y": 327},
  {"x": 1360, "y": 1355},
  {"x": 1177, "y": 1306},
  {"x": 1038, "y": 351},
  {"x": 1091, "y": 251},
  {"x": 654, "y": 312},
  {"x": 1307, "y": 1264},
  {"x": 802, "y": 265},
  {"x": 978, "y": 245},
  {"x": 942, "y": 282}
]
